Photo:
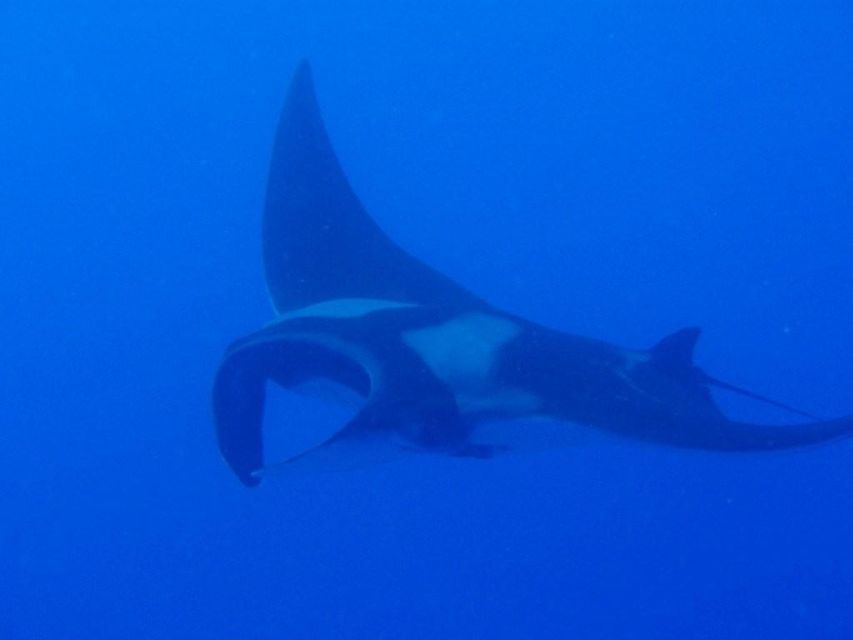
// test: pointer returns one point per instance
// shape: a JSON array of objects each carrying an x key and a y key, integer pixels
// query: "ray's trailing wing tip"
[
  {"x": 303, "y": 69},
  {"x": 319, "y": 242},
  {"x": 301, "y": 111},
  {"x": 303, "y": 77},
  {"x": 844, "y": 426}
]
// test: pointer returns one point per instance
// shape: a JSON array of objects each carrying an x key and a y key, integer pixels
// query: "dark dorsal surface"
[{"x": 319, "y": 243}]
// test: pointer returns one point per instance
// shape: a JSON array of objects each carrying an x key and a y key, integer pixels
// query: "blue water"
[{"x": 611, "y": 169}]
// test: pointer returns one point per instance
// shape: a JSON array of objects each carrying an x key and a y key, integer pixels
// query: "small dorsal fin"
[
  {"x": 674, "y": 354},
  {"x": 675, "y": 351}
]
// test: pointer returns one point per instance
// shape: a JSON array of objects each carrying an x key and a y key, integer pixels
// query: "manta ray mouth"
[{"x": 240, "y": 389}]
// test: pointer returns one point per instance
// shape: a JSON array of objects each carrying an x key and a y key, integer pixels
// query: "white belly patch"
[{"x": 462, "y": 352}]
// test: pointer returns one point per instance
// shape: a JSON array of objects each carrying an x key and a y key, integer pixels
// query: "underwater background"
[{"x": 613, "y": 169}]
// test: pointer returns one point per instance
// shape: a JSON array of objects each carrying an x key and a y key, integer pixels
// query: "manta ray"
[{"x": 431, "y": 361}]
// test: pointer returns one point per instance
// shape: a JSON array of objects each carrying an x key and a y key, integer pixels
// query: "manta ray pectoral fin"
[
  {"x": 746, "y": 436},
  {"x": 319, "y": 242}
]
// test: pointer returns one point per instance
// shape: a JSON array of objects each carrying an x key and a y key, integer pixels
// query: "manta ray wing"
[{"x": 319, "y": 243}]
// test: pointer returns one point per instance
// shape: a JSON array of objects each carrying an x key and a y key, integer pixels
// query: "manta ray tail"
[
  {"x": 674, "y": 354},
  {"x": 755, "y": 396}
]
